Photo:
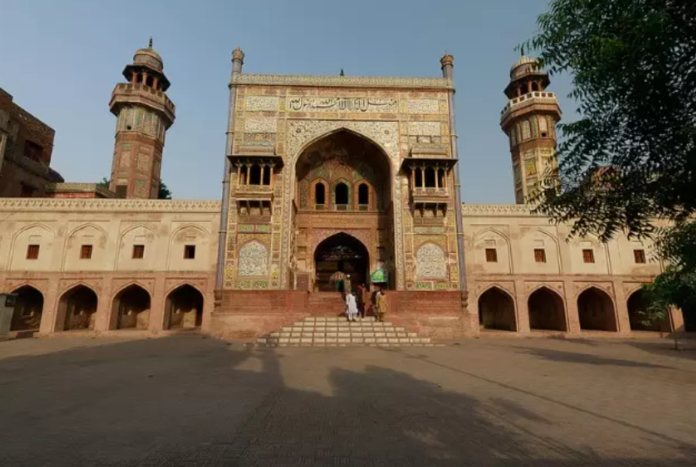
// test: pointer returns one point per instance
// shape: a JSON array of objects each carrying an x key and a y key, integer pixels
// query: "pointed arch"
[
  {"x": 77, "y": 308},
  {"x": 496, "y": 309},
  {"x": 596, "y": 310},
  {"x": 637, "y": 304},
  {"x": 307, "y": 144},
  {"x": 339, "y": 259},
  {"x": 28, "y": 309},
  {"x": 546, "y": 310},
  {"x": 130, "y": 307},
  {"x": 184, "y": 307}
]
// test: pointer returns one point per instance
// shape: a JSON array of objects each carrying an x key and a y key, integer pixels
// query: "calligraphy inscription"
[{"x": 341, "y": 104}]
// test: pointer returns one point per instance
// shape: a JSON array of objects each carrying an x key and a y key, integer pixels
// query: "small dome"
[
  {"x": 150, "y": 58},
  {"x": 523, "y": 61},
  {"x": 523, "y": 66}
]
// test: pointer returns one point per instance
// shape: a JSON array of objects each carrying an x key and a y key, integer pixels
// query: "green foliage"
[
  {"x": 342, "y": 73},
  {"x": 633, "y": 64},
  {"x": 164, "y": 192},
  {"x": 105, "y": 182},
  {"x": 630, "y": 157}
]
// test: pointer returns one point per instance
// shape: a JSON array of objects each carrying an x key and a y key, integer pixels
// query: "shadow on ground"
[
  {"x": 185, "y": 401},
  {"x": 583, "y": 358}
]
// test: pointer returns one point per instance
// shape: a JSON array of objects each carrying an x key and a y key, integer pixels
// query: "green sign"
[{"x": 378, "y": 276}]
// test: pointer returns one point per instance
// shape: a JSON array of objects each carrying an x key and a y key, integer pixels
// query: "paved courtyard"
[{"x": 190, "y": 401}]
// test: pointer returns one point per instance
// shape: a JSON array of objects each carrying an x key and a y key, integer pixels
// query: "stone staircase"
[{"x": 339, "y": 332}]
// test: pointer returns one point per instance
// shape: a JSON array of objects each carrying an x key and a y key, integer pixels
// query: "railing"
[
  {"x": 525, "y": 98},
  {"x": 431, "y": 191},
  {"x": 254, "y": 189},
  {"x": 129, "y": 88}
]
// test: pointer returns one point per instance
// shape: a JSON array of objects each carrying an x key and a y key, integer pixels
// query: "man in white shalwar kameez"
[{"x": 351, "y": 306}]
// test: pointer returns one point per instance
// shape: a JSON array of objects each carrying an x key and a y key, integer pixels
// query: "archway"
[
  {"x": 496, "y": 310},
  {"x": 689, "y": 316},
  {"x": 546, "y": 311},
  {"x": 638, "y": 304},
  {"x": 132, "y": 308},
  {"x": 357, "y": 177},
  {"x": 596, "y": 311},
  {"x": 78, "y": 306},
  {"x": 28, "y": 309},
  {"x": 184, "y": 308},
  {"x": 338, "y": 256}
]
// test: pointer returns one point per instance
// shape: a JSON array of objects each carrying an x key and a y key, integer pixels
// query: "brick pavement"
[{"x": 189, "y": 401}]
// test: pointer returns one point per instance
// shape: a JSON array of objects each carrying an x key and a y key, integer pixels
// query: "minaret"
[
  {"x": 529, "y": 119},
  {"x": 144, "y": 113}
]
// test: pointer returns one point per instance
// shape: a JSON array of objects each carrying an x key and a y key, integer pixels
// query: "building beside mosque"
[{"x": 325, "y": 177}]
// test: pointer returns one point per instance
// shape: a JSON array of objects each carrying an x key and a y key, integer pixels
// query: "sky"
[{"x": 61, "y": 59}]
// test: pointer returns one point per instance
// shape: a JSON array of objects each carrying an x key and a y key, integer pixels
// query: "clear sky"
[{"x": 61, "y": 59}]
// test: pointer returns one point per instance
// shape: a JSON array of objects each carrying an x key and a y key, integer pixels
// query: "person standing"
[
  {"x": 351, "y": 306},
  {"x": 382, "y": 305}
]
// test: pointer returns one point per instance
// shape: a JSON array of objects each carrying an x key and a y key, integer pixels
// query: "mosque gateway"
[{"x": 327, "y": 178}]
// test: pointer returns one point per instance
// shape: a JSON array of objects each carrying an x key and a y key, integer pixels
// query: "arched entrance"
[
  {"x": 343, "y": 183},
  {"x": 546, "y": 311},
  {"x": 339, "y": 257},
  {"x": 596, "y": 311},
  {"x": 184, "y": 308},
  {"x": 496, "y": 310},
  {"x": 28, "y": 309},
  {"x": 78, "y": 306},
  {"x": 131, "y": 307},
  {"x": 638, "y": 304}
]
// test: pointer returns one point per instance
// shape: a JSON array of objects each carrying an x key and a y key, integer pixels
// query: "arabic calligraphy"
[{"x": 341, "y": 104}]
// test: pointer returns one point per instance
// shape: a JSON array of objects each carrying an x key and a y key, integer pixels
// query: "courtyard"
[{"x": 193, "y": 401}]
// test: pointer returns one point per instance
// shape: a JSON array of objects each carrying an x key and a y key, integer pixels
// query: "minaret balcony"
[
  {"x": 139, "y": 94},
  {"x": 547, "y": 99}
]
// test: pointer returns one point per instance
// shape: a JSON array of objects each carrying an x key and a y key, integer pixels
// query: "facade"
[
  {"x": 26, "y": 145},
  {"x": 326, "y": 176}
]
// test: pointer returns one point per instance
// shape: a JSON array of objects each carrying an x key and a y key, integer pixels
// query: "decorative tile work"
[
  {"x": 261, "y": 103},
  {"x": 140, "y": 188},
  {"x": 253, "y": 259},
  {"x": 425, "y": 128},
  {"x": 300, "y": 133},
  {"x": 422, "y": 106},
  {"x": 341, "y": 104},
  {"x": 341, "y": 81},
  {"x": 431, "y": 262},
  {"x": 143, "y": 162},
  {"x": 110, "y": 205},
  {"x": 260, "y": 125}
]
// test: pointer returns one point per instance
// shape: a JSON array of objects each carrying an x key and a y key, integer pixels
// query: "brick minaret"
[
  {"x": 144, "y": 113},
  {"x": 529, "y": 119}
]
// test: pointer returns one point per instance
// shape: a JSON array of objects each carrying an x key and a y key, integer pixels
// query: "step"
[{"x": 338, "y": 331}]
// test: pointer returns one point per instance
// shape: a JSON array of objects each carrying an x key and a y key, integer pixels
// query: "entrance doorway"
[
  {"x": 184, "y": 308},
  {"x": 79, "y": 307},
  {"x": 28, "y": 309},
  {"x": 339, "y": 257},
  {"x": 132, "y": 308}
]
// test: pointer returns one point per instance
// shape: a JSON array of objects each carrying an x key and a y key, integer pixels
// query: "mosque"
[{"x": 323, "y": 175}]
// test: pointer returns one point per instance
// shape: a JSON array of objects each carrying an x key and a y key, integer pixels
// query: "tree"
[
  {"x": 164, "y": 192},
  {"x": 105, "y": 182},
  {"x": 342, "y": 73},
  {"x": 630, "y": 157}
]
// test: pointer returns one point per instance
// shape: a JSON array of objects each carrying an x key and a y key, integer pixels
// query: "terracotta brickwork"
[
  {"x": 529, "y": 120},
  {"x": 144, "y": 114},
  {"x": 26, "y": 145}
]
